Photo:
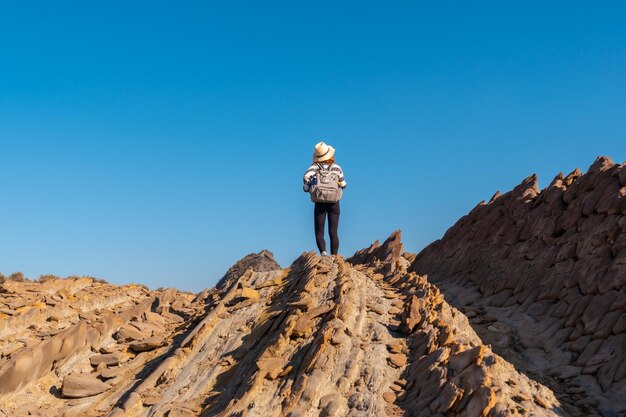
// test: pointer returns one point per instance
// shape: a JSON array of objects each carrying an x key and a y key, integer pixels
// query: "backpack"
[{"x": 325, "y": 187}]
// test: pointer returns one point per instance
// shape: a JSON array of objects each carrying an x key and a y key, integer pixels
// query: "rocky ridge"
[
  {"x": 518, "y": 310},
  {"x": 324, "y": 337},
  {"x": 542, "y": 274}
]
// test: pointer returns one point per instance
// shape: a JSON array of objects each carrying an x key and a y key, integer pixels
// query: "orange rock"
[
  {"x": 481, "y": 402},
  {"x": 389, "y": 396},
  {"x": 397, "y": 359},
  {"x": 412, "y": 316},
  {"x": 461, "y": 360},
  {"x": 249, "y": 293},
  {"x": 78, "y": 386}
]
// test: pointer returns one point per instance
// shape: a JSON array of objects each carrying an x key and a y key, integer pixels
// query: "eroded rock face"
[
  {"x": 258, "y": 262},
  {"x": 324, "y": 337},
  {"x": 542, "y": 274}
]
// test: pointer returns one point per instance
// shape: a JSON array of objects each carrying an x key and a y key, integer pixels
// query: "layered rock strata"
[
  {"x": 542, "y": 274},
  {"x": 324, "y": 337}
]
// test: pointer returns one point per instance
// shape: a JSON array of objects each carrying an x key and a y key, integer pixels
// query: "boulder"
[
  {"x": 149, "y": 343},
  {"x": 82, "y": 385},
  {"x": 128, "y": 333},
  {"x": 109, "y": 359}
]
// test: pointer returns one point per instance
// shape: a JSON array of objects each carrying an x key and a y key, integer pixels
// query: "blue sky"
[{"x": 158, "y": 143}]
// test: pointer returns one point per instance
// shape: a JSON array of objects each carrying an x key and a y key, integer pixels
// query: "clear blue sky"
[{"x": 158, "y": 142}]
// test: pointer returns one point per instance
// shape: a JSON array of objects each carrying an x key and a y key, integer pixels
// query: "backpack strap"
[{"x": 322, "y": 168}]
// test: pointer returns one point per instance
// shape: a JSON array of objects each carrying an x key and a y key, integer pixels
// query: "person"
[{"x": 324, "y": 159}]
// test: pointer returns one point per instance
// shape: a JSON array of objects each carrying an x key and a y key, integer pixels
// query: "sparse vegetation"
[
  {"x": 100, "y": 280},
  {"x": 95, "y": 279},
  {"x": 47, "y": 277},
  {"x": 145, "y": 287},
  {"x": 17, "y": 276},
  {"x": 2, "y": 278}
]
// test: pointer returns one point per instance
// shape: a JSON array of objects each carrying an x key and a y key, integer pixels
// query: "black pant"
[{"x": 321, "y": 209}]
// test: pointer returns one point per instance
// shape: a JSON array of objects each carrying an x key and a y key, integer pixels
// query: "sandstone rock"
[
  {"x": 271, "y": 367},
  {"x": 270, "y": 282},
  {"x": 105, "y": 373},
  {"x": 155, "y": 319},
  {"x": 549, "y": 264},
  {"x": 307, "y": 344},
  {"x": 460, "y": 361},
  {"x": 391, "y": 250},
  {"x": 128, "y": 333},
  {"x": 412, "y": 316},
  {"x": 147, "y": 344},
  {"x": 258, "y": 262},
  {"x": 109, "y": 359},
  {"x": 395, "y": 347},
  {"x": 449, "y": 395},
  {"x": 398, "y": 359},
  {"x": 249, "y": 293},
  {"x": 78, "y": 386},
  {"x": 304, "y": 327},
  {"x": 389, "y": 396},
  {"x": 147, "y": 329},
  {"x": 481, "y": 402}
]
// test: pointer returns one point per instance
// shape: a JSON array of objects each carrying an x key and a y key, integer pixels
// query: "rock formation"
[
  {"x": 324, "y": 337},
  {"x": 542, "y": 275},
  {"x": 533, "y": 326}
]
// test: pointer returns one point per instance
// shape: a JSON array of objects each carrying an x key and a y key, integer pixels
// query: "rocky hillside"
[
  {"x": 542, "y": 275},
  {"x": 324, "y": 337},
  {"x": 522, "y": 314}
]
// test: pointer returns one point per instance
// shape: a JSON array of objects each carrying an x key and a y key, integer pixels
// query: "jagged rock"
[
  {"x": 258, "y": 262},
  {"x": 481, "y": 402},
  {"x": 412, "y": 315},
  {"x": 78, "y": 386},
  {"x": 460, "y": 361},
  {"x": 391, "y": 250},
  {"x": 304, "y": 327},
  {"x": 549, "y": 266},
  {"x": 272, "y": 367},
  {"x": 308, "y": 344}
]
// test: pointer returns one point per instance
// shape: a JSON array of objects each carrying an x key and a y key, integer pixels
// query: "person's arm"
[
  {"x": 308, "y": 176},
  {"x": 342, "y": 180}
]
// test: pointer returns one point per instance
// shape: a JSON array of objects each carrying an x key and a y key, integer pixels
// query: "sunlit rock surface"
[{"x": 522, "y": 314}]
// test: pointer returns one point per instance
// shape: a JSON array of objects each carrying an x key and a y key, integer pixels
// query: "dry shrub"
[
  {"x": 100, "y": 280},
  {"x": 17, "y": 277},
  {"x": 47, "y": 277}
]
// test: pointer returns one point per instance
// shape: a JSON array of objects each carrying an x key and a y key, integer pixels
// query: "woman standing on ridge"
[{"x": 325, "y": 182}]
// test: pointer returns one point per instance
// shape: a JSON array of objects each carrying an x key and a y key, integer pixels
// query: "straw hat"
[{"x": 323, "y": 152}]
